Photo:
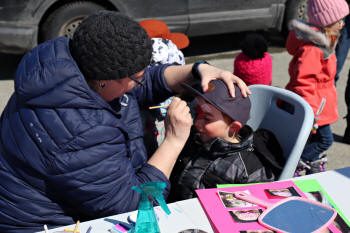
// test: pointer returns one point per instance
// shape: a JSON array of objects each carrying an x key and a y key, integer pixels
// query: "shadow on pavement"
[
  {"x": 8, "y": 65},
  {"x": 204, "y": 45},
  {"x": 338, "y": 138}
]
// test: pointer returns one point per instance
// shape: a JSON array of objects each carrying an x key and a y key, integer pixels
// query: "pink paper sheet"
[{"x": 219, "y": 215}]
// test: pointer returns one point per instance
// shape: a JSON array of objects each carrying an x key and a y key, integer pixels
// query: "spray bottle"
[{"x": 146, "y": 217}]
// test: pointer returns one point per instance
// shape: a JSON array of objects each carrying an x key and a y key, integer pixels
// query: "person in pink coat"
[{"x": 312, "y": 71}]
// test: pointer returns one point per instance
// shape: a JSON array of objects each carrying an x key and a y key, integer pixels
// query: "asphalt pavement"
[{"x": 220, "y": 51}]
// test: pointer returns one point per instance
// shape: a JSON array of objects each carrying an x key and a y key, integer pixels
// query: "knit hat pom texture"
[{"x": 322, "y": 13}]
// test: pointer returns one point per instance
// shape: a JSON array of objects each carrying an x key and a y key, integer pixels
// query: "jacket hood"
[
  {"x": 47, "y": 76},
  {"x": 303, "y": 34}
]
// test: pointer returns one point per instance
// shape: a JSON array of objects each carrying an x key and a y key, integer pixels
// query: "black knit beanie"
[
  {"x": 108, "y": 45},
  {"x": 254, "y": 46}
]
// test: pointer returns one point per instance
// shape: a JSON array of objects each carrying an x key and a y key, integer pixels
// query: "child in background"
[
  {"x": 312, "y": 71},
  {"x": 223, "y": 149},
  {"x": 254, "y": 64},
  {"x": 166, "y": 44},
  {"x": 166, "y": 50}
]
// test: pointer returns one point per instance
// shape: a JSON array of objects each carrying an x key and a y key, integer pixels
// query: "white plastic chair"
[{"x": 291, "y": 127}]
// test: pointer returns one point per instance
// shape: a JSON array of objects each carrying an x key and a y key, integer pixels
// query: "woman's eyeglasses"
[{"x": 138, "y": 78}]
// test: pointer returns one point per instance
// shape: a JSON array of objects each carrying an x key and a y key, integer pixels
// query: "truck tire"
[
  {"x": 65, "y": 19},
  {"x": 295, "y": 9}
]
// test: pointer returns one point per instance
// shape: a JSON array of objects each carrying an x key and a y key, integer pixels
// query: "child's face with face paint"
[{"x": 210, "y": 122}]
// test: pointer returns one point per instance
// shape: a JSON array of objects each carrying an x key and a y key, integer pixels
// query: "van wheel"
[
  {"x": 295, "y": 9},
  {"x": 64, "y": 20}
]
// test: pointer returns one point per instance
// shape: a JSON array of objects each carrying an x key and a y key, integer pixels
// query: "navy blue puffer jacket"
[{"x": 66, "y": 154}]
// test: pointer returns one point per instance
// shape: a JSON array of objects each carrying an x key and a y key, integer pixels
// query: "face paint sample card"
[{"x": 226, "y": 212}]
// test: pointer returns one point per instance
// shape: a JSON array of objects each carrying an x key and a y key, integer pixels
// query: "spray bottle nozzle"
[{"x": 146, "y": 219}]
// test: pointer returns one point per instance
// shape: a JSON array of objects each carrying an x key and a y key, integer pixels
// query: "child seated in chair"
[{"x": 222, "y": 149}]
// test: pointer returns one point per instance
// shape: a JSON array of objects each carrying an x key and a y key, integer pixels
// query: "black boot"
[{"x": 346, "y": 137}]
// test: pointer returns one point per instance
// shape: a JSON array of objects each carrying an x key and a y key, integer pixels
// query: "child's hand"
[{"x": 314, "y": 126}]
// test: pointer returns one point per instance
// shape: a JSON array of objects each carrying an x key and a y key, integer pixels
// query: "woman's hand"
[
  {"x": 178, "y": 121},
  {"x": 177, "y": 130},
  {"x": 208, "y": 73}
]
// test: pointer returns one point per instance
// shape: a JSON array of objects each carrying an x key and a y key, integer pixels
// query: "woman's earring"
[
  {"x": 231, "y": 133},
  {"x": 234, "y": 128},
  {"x": 102, "y": 85}
]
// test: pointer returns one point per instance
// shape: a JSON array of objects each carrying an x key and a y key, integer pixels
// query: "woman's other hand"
[{"x": 208, "y": 73}]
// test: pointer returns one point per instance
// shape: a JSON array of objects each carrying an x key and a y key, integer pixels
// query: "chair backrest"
[{"x": 287, "y": 115}]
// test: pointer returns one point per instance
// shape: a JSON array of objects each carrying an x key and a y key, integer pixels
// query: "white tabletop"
[{"x": 188, "y": 214}]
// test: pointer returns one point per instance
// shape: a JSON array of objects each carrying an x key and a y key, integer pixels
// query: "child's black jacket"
[{"x": 257, "y": 158}]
